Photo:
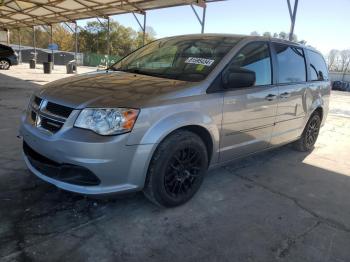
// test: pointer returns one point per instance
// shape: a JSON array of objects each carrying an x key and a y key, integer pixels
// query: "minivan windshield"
[{"x": 181, "y": 58}]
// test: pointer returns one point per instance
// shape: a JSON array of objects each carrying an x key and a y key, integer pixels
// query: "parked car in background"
[
  {"x": 8, "y": 57},
  {"x": 336, "y": 85},
  {"x": 341, "y": 86},
  {"x": 160, "y": 117}
]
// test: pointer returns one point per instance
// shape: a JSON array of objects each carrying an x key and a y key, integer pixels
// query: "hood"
[{"x": 110, "y": 89}]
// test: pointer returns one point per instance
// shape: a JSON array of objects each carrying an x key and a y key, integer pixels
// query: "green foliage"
[
  {"x": 122, "y": 40},
  {"x": 267, "y": 34},
  {"x": 281, "y": 35},
  {"x": 92, "y": 38}
]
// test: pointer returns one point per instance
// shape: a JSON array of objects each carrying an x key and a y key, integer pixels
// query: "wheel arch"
[
  {"x": 319, "y": 105},
  {"x": 199, "y": 130},
  {"x": 203, "y": 134},
  {"x": 204, "y": 125},
  {"x": 318, "y": 110}
]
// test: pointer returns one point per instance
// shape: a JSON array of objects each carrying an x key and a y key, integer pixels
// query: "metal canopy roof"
[{"x": 22, "y": 13}]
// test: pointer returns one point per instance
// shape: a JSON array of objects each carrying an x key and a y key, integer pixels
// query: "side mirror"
[{"x": 238, "y": 77}]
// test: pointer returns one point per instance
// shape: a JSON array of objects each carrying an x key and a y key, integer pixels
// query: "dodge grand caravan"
[{"x": 160, "y": 117}]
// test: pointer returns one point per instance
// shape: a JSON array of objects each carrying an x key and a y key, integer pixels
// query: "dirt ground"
[{"x": 280, "y": 205}]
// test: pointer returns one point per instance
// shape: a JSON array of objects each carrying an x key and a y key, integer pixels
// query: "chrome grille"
[
  {"x": 58, "y": 109},
  {"x": 47, "y": 115}
]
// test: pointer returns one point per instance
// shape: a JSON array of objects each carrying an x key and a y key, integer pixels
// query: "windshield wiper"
[
  {"x": 140, "y": 72},
  {"x": 113, "y": 69}
]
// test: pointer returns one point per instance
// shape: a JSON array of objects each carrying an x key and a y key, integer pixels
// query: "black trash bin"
[
  {"x": 32, "y": 63},
  {"x": 47, "y": 67},
  {"x": 71, "y": 67},
  {"x": 50, "y": 59}
]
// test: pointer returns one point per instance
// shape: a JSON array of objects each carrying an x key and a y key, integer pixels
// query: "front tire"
[
  {"x": 177, "y": 169},
  {"x": 4, "y": 64},
  {"x": 308, "y": 139}
]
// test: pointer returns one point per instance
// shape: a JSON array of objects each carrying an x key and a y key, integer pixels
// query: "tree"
[
  {"x": 92, "y": 38},
  {"x": 283, "y": 35},
  {"x": 331, "y": 59},
  {"x": 63, "y": 37},
  {"x": 254, "y": 33},
  {"x": 267, "y": 34},
  {"x": 294, "y": 38},
  {"x": 345, "y": 59},
  {"x": 149, "y": 36},
  {"x": 123, "y": 40},
  {"x": 339, "y": 60}
]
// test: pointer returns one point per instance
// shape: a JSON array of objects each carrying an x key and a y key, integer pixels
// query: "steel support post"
[
  {"x": 51, "y": 42},
  {"x": 34, "y": 43},
  {"x": 8, "y": 36},
  {"x": 203, "y": 18},
  {"x": 293, "y": 15},
  {"x": 76, "y": 46},
  {"x": 144, "y": 29},
  {"x": 142, "y": 26},
  {"x": 19, "y": 46},
  {"x": 108, "y": 42},
  {"x": 200, "y": 20}
]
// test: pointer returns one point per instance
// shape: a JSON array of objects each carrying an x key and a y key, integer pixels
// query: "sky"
[{"x": 323, "y": 24}]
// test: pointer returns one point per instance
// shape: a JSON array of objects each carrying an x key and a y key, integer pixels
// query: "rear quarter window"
[{"x": 317, "y": 67}]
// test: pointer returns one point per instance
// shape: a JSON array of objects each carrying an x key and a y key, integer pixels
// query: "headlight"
[{"x": 107, "y": 121}]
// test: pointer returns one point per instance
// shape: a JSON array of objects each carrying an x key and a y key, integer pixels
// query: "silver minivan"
[{"x": 160, "y": 117}]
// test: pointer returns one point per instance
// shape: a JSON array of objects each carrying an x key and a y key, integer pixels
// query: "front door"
[{"x": 249, "y": 113}]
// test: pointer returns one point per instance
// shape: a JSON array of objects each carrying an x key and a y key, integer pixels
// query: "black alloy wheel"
[
  {"x": 313, "y": 128},
  {"x": 177, "y": 169},
  {"x": 182, "y": 172},
  {"x": 309, "y": 136}
]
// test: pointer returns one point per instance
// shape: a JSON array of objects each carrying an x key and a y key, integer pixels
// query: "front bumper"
[{"x": 119, "y": 167}]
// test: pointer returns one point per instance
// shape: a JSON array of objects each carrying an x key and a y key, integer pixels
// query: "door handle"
[
  {"x": 270, "y": 97},
  {"x": 285, "y": 95}
]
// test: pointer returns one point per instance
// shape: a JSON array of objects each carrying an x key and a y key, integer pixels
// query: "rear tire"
[
  {"x": 177, "y": 169},
  {"x": 4, "y": 64},
  {"x": 309, "y": 136}
]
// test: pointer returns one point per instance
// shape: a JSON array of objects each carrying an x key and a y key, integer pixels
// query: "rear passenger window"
[
  {"x": 291, "y": 64},
  {"x": 255, "y": 57},
  {"x": 318, "y": 68}
]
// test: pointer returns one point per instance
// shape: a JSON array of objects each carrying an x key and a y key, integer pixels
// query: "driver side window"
[{"x": 255, "y": 57}]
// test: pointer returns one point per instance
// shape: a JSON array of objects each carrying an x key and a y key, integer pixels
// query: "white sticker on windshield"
[{"x": 199, "y": 61}]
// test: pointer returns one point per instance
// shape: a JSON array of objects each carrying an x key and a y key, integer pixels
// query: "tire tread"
[{"x": 162, "y": 148}]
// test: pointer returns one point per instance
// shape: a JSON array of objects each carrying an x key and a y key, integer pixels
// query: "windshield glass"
[{"x": 182, "y": 58}]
